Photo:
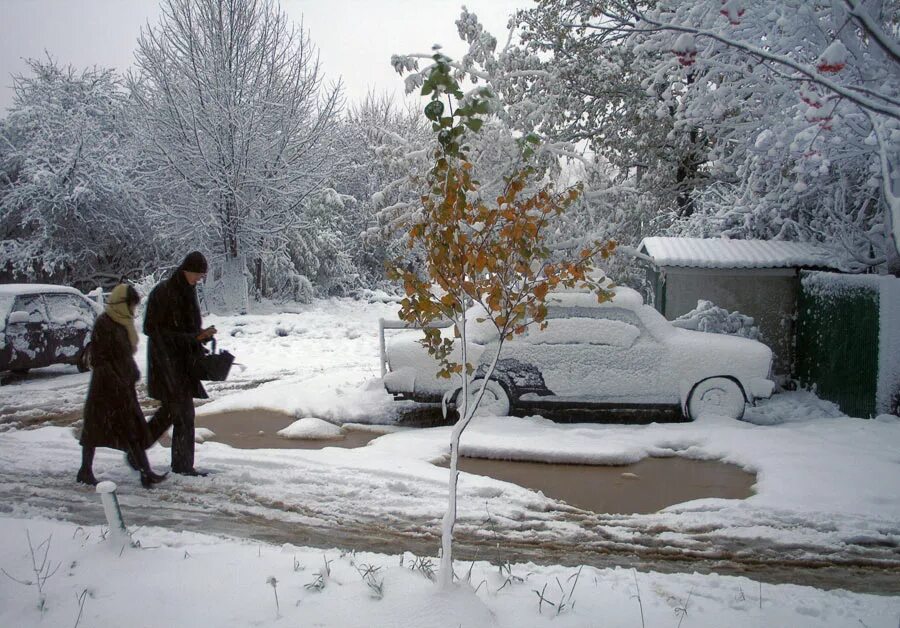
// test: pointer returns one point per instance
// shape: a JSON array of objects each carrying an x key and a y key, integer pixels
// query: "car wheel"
[
  {"x": 495, "y": 401},
  {"x": 84, "y": 359},
  {"x": 717, "y": 395}
]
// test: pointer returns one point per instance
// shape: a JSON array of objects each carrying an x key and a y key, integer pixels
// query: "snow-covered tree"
[
  {"x": 772, "y": 119},
  {"x": 69, "y": 208},
  {"x": 530, "y": 95},
  {"x": 803, "y": 103},
  {"x": 231, "y": 108},
  {"x": 385, "y": 148}
]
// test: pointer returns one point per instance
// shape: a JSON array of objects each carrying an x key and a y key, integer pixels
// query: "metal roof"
[{"x": 724, "y": 253}]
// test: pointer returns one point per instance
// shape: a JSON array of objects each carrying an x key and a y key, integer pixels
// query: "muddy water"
[
  {"x": 258, "y": 429},
  {"x": 644, "y": 487}
]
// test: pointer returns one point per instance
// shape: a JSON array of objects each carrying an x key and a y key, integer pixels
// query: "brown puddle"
[
  {"x": 643, "y": 487},
  {"x": 257, "y": 429}
]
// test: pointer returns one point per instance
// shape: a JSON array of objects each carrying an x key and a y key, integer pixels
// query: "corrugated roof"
[{"x": 723, "y": 253}]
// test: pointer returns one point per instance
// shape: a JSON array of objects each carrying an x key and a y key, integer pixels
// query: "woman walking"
[{"x": 112, "y": 414}]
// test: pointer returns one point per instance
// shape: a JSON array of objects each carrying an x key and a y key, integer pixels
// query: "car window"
[
  {"x": 610, "y": 313},
  {"x": 585, "y": 331},
  {"x": 69, "y": 309},
  {"x": 33, "y": 304}
]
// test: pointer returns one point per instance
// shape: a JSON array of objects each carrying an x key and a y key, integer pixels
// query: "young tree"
[
  {"x": 484, "y": 250},
  {"x": 230, "y": 103},
  {"x": 69, "y": 207}
]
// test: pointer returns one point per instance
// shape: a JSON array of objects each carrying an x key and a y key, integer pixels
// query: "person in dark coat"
[
  {"x": 175, "y": 336},
  {"x": 112, "y": 414}
]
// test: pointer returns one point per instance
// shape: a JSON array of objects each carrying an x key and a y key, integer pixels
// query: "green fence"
[{"x": 837, "y": 340}]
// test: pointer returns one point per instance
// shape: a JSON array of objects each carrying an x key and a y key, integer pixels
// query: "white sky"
[{"x": 356, "y": 38}]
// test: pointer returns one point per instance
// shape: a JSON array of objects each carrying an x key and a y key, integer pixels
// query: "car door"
[
  {"x": 28, "y": 331},
  {"x": 71, "y": 319},
  {"x": 601, "y": 355}
]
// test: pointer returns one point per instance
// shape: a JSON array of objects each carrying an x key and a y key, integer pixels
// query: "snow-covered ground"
[
  {"x": 827, "y": 492},
  {"x": 185, "y": 579}
]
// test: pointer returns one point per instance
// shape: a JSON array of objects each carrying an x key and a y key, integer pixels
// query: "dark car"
[{"x": 42, "y": 325}]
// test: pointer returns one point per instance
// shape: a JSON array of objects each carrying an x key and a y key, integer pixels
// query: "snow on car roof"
[
  {"x": 32, "y": 288},
  {"x": 622, "y": 297},
  {"x": 725, "y": 253}
]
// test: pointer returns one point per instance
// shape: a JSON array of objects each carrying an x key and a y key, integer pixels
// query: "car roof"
[
  {"x": 15, "y": 289},
  {"x": 622, "y": 297}
]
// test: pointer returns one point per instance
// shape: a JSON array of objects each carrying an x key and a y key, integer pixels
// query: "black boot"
[
  {"x": 86, "y": 476},
  {"x": 86, "y": 472},
  {"x": 191, "y": 473},
  {"x": 130, "y": 461},
  {"x": 148, "y": 478}
]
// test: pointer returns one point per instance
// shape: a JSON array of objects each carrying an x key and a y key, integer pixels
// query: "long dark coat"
[
  {"x": 112, "y": 414},
  {"x": 172, "y": 322}
]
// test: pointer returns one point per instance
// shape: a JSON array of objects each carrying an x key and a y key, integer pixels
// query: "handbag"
[{"x": 214, "y": 365}]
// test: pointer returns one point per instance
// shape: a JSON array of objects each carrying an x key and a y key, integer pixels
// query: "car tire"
[
  {"x": 495, "y": 401},
  {"x": 718, "y": 395},
  {"x": 84, "y": 359}
]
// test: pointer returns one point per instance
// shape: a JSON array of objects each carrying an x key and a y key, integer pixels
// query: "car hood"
[
  {"x": 713, "y": 354},
  {"x": 414, "y": 370}
]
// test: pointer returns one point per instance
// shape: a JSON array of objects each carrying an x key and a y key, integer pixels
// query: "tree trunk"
[
  {"x": 892, "y": 252},
  {"x": 233, "y": 286},
  {"x": 234, "y": 291}
]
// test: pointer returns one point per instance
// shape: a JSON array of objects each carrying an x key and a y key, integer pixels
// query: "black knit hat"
[{"x": 194, "y": 262}]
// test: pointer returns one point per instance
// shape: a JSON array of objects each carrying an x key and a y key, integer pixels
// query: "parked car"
[
  {"x": 42, "y": 325},
  {"x": 620, "y": 354}
]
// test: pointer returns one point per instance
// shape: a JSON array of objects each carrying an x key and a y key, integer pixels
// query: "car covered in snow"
[
  {"x": 44, "y": 324},
  {"x": 620, "y": 354}
]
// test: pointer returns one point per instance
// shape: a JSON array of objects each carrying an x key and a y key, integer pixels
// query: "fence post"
[{"x": 117, "y": 529}]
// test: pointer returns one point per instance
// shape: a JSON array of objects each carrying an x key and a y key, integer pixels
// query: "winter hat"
[{"x": 194, "y": 262}]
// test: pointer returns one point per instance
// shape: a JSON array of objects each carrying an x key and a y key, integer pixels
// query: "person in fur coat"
[{"x": 112, "y": 414}]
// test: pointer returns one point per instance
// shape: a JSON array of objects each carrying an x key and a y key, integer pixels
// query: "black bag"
[{"x": 214, "y": 366}]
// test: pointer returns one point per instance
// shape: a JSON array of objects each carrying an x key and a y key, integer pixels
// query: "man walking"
[{"x": 173, "y": 327}]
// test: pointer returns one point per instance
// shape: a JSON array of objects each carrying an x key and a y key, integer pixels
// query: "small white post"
[
  {"x": 381, "y": 347},
  {"x": 111, "y": 508}
]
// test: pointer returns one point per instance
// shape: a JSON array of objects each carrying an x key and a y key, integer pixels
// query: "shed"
[{"x": 759, "y": 278}]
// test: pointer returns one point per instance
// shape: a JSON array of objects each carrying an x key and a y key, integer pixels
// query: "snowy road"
[
  {"x": 214, "y": 508},
  {"x": 818, "y": 516}
]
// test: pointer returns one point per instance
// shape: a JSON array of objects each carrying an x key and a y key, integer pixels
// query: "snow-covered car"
[
  {"x": 620, "y": 354},
  {"x": 44, "y": 324}
]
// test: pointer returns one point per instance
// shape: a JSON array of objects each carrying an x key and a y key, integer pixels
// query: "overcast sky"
[{"x": 355, "y": 37}]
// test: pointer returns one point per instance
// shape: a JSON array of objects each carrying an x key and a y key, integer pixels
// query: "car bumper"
[{"x": 761, "y": 388}]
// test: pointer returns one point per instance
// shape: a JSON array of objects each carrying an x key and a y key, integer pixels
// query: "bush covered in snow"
[{"x": 711, "y": 318}]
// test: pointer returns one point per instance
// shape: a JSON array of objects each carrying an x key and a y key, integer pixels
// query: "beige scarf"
[{"x": 118, "y": 310}]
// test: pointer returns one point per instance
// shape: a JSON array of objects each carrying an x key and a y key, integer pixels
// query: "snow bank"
[
  {"x": 231, "y": 583},
  {"x": 710, "y": 318},
  {"x": 311, "y": 428}
]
